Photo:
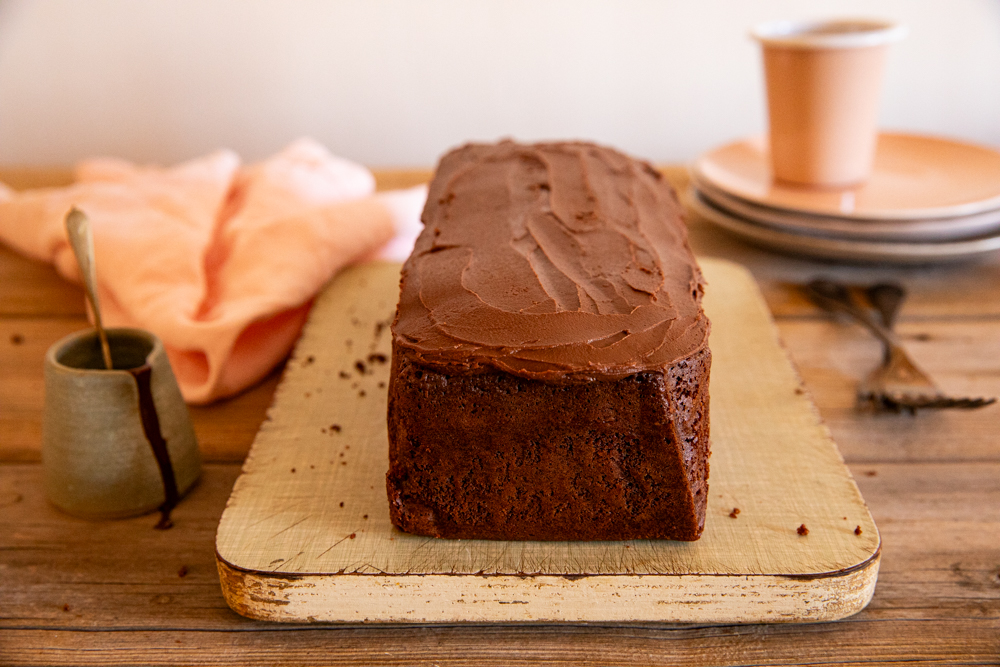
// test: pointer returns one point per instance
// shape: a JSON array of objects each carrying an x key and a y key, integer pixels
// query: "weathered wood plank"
[
  {"x": 940, "y": 524},
  {"x": 23, "y": 343},
  {"x": 24, "y": 178},
  {"x": 33, "y": 289},
  {"x": 59, "y": 571},
  {"x": 391, "y": 179},
  {"x": 825, "y": 644},
  {"x": 938, "y": 597},
  {"x": 962, "y": 357},
  {"x": 940, "y": 528}
]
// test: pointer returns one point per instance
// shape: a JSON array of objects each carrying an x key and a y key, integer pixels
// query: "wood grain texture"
[
  {"x": 938, "y": 597},
  {"x": 962, "y": 356},
  {"x": 306, "y": 534},
  {"x": 845, "y": 644}
]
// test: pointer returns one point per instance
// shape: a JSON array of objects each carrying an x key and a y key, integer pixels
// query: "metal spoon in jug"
[{"x": 82, "y": 241}]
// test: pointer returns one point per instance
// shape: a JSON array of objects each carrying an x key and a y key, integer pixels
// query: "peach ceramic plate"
[
  {"x": 924, "y": 229},
  {"x": 865, "y": 251},
  {"x": 915, "y": 177}
]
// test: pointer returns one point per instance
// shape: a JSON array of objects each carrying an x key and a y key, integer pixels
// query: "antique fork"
[{"x": 897, "y": 384}]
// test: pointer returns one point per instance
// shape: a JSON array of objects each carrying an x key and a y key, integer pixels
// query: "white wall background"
[{"x": 397, "y": 82}]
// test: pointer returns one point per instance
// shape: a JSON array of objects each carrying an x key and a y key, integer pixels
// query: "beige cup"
[
  {"x": 823, "y": 86},
  {"x": 115, "y": 443}
]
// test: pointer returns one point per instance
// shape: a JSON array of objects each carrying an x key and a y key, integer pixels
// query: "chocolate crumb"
[
  {"x": 381, "y": 385},
  {"x": 362, "y": 393},
  {"x": 870, "y": 473},
  {"x": 310, "y": 359},
  {"x": 341, "y": 504},
  {"x": 341, "y": 455},
  {"x": 734, "y": 513},
  {"x": 343, "y": 463},
  {"x": 352, "y": 536},
  {"x": 360, "y": 365},
  {"x": 293, "y": 469},
  {"x": 379, "y": 328},
  {"x": 802, "y": 530},
  {"x": 377, "y": 358},
  {"x": 65, "y": 607},
  {"x": 16, "y": 339},
  {"x": 344, "y": 375},
  {"x": 857, "y": 531},
  {"x": 364, "y": 516},
  {"x": 799, "y": 391},
  {"x": 183, "y": 571},
  {"x": 335, "y": 428}
]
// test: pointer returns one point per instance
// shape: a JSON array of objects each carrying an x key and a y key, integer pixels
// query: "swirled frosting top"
[{"x": 562, "y": 261}]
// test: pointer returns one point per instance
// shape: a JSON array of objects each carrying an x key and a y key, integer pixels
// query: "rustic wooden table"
[{"x": 78, "y": 592}]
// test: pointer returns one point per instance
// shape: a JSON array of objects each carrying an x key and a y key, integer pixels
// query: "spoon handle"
[
  {"x": 887, "y": 299},
  {"x": 82, "y": 240}
]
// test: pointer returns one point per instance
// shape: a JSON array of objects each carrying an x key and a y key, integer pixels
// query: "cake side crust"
[{"x": 515, "y": 459}]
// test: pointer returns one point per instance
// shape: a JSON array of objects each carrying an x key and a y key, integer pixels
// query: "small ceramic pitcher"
[{"x": 115, "y": 443}]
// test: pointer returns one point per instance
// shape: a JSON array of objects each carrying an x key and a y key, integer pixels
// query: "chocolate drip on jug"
[{"x": 151, "y": 427}]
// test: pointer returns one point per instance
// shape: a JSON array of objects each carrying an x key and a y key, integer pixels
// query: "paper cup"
[{"x": 824, "y": 81}]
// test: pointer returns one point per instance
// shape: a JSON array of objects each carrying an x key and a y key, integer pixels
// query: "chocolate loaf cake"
[{"x": 550, "y": 355}]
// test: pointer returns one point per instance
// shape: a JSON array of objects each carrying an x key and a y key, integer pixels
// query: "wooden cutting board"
[{"x": 306, "y": 534}]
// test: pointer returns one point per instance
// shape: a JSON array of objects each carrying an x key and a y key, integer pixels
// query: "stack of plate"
[{"x": 928, "y": 200}]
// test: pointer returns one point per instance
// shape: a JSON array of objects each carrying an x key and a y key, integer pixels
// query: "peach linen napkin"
[{"x": 218, "y": 259}]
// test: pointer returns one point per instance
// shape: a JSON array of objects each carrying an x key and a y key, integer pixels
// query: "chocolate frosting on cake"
[{"x": 588, "y": 273}]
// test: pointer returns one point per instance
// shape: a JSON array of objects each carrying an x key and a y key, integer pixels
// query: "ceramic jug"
[{"x": 119, "y": 442}]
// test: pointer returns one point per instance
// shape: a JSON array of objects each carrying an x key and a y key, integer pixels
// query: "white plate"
[
  {"x": 867, "y": 251},
  {"x": 914, "y": 177},
  {"x": 931, "y": 229}
]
